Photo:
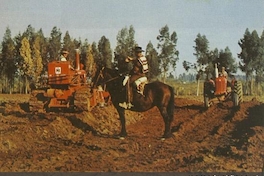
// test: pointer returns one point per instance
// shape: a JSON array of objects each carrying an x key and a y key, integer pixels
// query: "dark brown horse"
[{"x": 155, "y": 94}]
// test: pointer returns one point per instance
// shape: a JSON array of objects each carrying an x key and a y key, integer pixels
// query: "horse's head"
[{"x": 104, "y": 75}]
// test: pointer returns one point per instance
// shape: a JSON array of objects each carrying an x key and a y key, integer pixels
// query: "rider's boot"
[{"x": 128, "y": 104}]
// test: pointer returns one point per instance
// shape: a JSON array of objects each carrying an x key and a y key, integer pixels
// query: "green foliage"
[
  {"x": 95, "y": 52},
  {"x": 43, "y": 48},
  {"x": 105, "y": 52},
  {"x": 201, "y": 50},
  {"x": 37, "y": 59},
  {"x": 246, "y": 54},
  {"x": 27, "y": 55},
  {"x": 126, "y": 41},
  {"x": 125, "y": 47},
  {"x": 207, "y": 60},
  {"x": 84, "y": 51},
  {"x": 29, "y": 33},
  {"x": 70, "y": 46},
  {"x": 54, "y": 44},
  {"x": 8, "y": 48},
  {"x": 7, "y": 62},
  {"x": 169, "y": 55},
  {"x": 89, "y": 62},
  {"x": 152, "y": 57},
  {"x": 260, "y": 61},
  {"x": 26, "y": 67},
  {"x": 225, "y": 59},
  {"x": 252, "y": 57}
]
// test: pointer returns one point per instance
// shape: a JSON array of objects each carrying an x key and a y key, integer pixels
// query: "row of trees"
[{"x": 24, "y": 58}]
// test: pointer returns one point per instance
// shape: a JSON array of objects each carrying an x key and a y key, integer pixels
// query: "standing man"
[{"x": 137, "y": 74}]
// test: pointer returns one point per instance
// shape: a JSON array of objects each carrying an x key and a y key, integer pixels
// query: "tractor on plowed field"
[
  {"x": 67, "y": 89},
  {"x": 220, "y": 89}
]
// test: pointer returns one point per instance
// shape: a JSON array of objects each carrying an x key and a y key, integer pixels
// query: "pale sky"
[{"x": 223, "y": 22}]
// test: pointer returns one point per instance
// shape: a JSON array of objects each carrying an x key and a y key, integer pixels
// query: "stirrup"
[
  {"x": 123, "y": 105},
  {"x": 129, "y": 105}
]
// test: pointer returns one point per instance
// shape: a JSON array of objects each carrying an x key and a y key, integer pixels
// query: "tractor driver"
[
  {"x": 63, "y": 57},
  {"x": 224, "y": 73}
]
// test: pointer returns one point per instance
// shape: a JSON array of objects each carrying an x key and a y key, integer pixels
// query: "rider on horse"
[{"x": 137, "y": 76}]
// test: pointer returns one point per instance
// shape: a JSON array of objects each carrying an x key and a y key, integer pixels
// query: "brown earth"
[{"x": 220, "y": 139}]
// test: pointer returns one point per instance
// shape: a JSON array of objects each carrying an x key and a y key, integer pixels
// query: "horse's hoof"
[
  {"x": 121, "y": 137},
  {"x": 167, "y": 136}
]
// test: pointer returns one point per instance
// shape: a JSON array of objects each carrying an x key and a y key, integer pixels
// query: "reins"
[{"x": 102, "y": 76}]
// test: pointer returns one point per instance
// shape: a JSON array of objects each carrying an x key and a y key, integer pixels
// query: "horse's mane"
[{"x": 112, "y": 72}]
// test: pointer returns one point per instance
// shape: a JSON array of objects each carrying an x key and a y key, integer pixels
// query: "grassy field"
[
  {"x": 189, "y": 90},
  {"x": 181, "y": 90}
]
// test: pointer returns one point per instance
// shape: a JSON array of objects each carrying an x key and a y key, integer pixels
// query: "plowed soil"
[{"x": 220, "y": 139}]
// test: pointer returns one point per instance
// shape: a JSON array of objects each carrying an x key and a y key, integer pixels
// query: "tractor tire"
[
  {"x": 237, "y": 94},
  {"x": 37, "y": 101},
  {"x": 82, "y": 99}
]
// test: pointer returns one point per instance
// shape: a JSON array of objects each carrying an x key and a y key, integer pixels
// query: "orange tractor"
[
  {"x": 220, "y": 89},
  {"x": 67, "y": 89}
]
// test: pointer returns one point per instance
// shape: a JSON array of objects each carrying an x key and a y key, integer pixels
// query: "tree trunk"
[
  {"x": 251, "y": 85},
  {"x": 198, "y": 83},
  {"x": 246, "y": 89},
  {"x": 26, "y": 84}
]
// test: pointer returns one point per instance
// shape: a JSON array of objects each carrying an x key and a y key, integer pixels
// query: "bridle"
[{"x": 101, "y": 75}]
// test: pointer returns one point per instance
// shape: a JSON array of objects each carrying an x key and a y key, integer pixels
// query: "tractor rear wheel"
[{"x": 237, "y": 93}]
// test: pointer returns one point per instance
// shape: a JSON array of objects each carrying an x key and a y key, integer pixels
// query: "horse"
[{"x": 155, "y": 93}]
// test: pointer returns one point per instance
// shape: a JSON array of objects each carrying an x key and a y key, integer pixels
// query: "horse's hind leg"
[{"x": 167, "y": 122}]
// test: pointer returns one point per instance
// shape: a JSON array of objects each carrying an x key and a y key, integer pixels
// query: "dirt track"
[{"x": 220, "y": 139}]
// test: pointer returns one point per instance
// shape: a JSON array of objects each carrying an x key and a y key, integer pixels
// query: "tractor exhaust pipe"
[
  {"x": 77, "y": 64},
  {"x": 216, "y": 71}
]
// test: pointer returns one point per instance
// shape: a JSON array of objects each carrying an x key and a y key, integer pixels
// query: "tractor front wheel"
[{"x": 237, "y": 94}]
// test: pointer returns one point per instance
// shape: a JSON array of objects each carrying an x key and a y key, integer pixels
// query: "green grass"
[{"x": 189, "y": 90}]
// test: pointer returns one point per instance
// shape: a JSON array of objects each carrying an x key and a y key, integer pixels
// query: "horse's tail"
[{"x": 170, "y": 108}]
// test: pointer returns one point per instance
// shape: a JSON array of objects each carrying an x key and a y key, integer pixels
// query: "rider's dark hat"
[{"x": 138, "y": 49}]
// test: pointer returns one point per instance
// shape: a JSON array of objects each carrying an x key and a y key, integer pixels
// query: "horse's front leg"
[
  {"x": 167, "y": 122},
  {"x": 122, "y": 119}
]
